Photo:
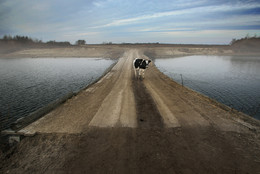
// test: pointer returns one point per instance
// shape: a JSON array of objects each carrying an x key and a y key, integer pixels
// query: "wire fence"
[{"x": 209, "y": 89}]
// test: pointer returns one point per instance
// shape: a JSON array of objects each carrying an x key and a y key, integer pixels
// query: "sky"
[{"x": 131, "y": 21}]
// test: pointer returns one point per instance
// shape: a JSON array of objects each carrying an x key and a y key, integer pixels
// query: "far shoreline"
[{"x": 115, "y": 51}]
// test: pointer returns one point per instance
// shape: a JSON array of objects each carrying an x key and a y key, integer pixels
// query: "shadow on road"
[{"x": 147, "y": 113}]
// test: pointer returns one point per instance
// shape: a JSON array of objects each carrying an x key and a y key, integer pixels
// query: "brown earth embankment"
[
  {"x": 124, "y": 125},
  {"x": 116, "y": 50},
  {"x": 111, "y": 50}
]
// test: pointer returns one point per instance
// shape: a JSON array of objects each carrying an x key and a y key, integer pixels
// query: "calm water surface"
[
  {"x": 29, "y": 84},
  {"x": 234, "y": 81}
]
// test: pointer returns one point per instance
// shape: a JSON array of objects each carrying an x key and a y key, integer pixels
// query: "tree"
[
  {"x": 80, "y": 42},
  {"x": 7, "y": 38}
]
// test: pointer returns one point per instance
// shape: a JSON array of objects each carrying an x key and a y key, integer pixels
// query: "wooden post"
[{"x": 181, "y": 80}]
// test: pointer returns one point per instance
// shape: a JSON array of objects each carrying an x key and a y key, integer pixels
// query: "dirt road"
[{"x": 124, "y": 125}]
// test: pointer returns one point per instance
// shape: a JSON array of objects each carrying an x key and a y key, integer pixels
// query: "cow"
[{"x": 139, "y": 66}]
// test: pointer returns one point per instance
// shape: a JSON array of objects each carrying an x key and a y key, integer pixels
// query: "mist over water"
[
  {"x": 29, "y": 84},
  {"x": 231, "y": 80}
]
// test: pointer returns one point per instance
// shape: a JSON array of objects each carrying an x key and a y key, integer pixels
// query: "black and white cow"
[{"x": 139, "y": 66}]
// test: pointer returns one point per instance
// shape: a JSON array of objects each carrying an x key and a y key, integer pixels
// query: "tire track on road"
[{"x": 118, "y": 108}]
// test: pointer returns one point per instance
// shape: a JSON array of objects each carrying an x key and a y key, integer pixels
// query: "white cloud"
[
  {"x": 84, "y": 34},
  {"x": 97, "y": 4},
  {"x": 193, "y": 11},
  {"x": 125, "y": 20},
  {"x": 102, "y": 3},
  {"x": 163, "y": 29}
]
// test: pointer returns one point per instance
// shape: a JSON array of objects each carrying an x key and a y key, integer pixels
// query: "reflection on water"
[
  {"x": 29, "y": 84},
  {"x": 234, "y": 81}
]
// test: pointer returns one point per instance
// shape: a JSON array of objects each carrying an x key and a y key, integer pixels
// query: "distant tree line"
[
  {"x": 28, "y": 40},
  {"x": 20, "y": 39},
  {"x": 126, "y": 43},
  {"x": 80, "y": 42},
  {"x": 54, "y": 43}
]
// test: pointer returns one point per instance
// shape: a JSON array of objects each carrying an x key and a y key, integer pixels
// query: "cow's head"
[{"x": 147, "y": 62}]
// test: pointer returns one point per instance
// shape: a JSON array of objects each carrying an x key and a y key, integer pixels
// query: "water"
[
  {"x": 29, "y": 84},
  {"x": 231, "y": 80}
]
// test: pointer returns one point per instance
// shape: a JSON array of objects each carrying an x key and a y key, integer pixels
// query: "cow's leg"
[
  {"x": 143, "y": 73},
  {"x": 140, "y": 73},
  {"x": 134, "y": 69},
  {"x": 136, "y": 72}
]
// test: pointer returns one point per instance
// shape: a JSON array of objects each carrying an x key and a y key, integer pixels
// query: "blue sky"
[{"x": 117, "y": 21}]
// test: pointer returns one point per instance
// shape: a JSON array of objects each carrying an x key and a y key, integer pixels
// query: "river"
[
  {"x": 231, "y": 80},
  {"x": 28, "y": 84}
]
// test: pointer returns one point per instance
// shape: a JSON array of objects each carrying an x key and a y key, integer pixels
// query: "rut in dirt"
[{"x": 147, "y": 113}]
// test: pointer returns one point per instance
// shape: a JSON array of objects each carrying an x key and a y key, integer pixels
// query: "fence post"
[{"x": 181, "y": 80}]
